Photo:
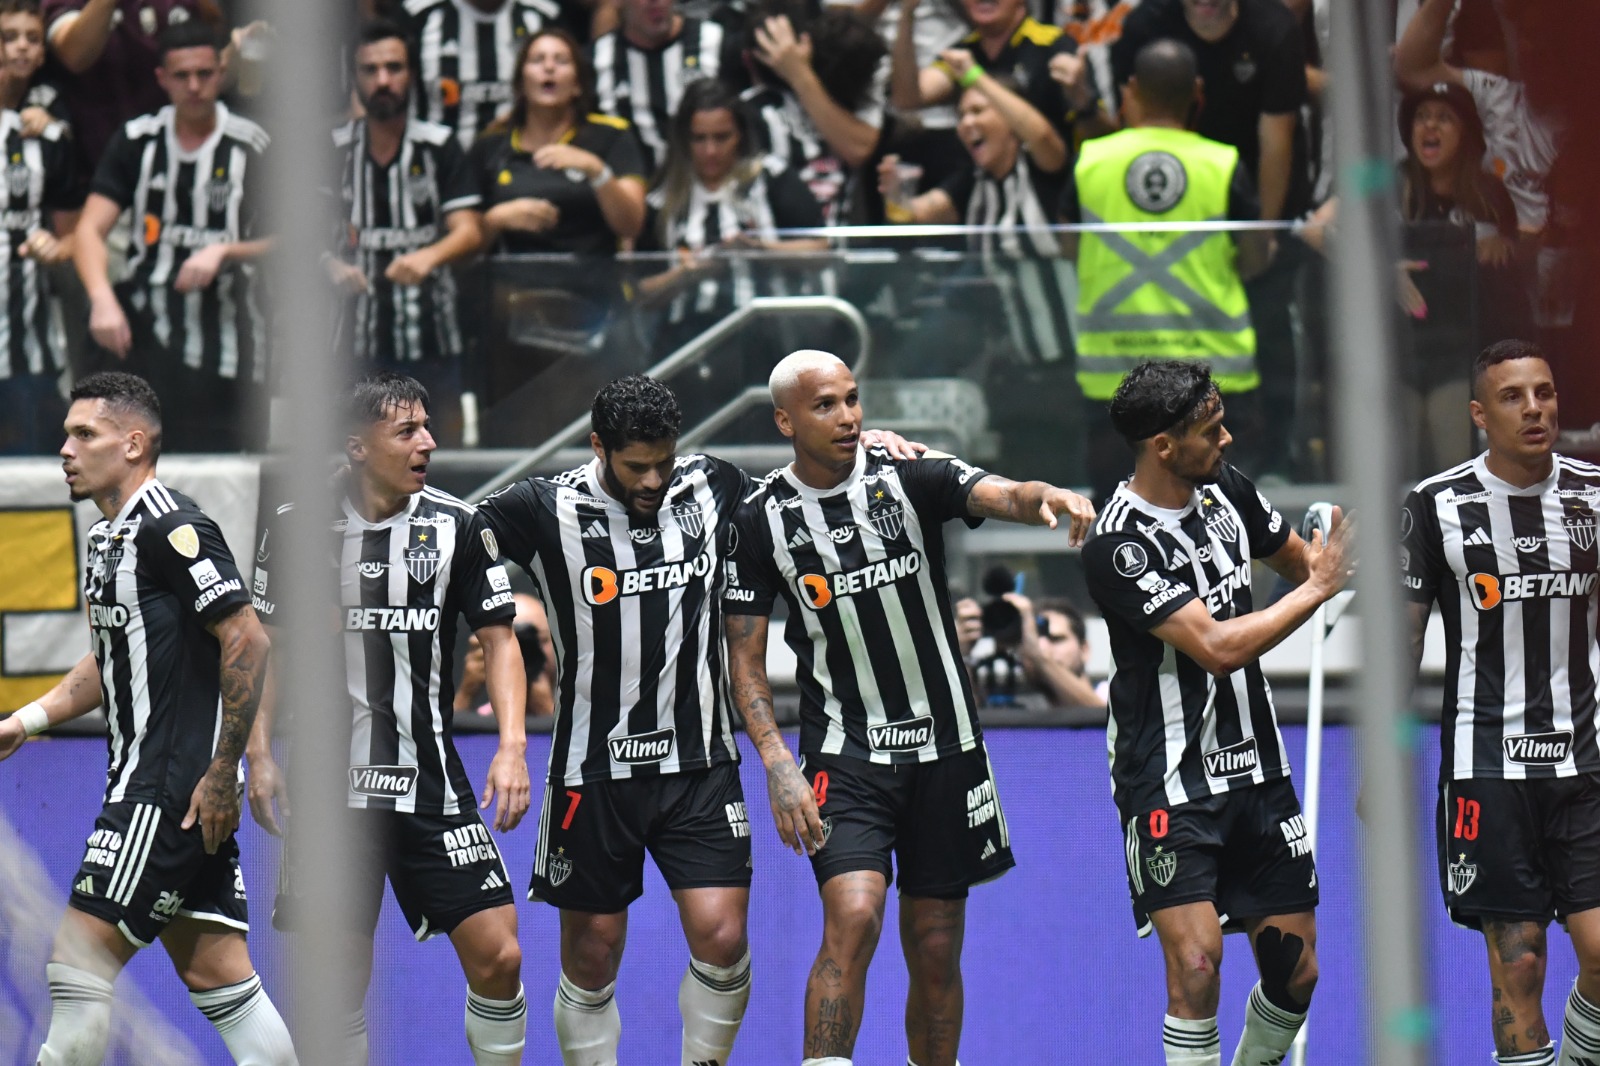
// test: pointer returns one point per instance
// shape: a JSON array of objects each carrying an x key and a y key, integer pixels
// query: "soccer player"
[
  {"x": 893, "y": 761},
  {"x": 178, "y": 662},
  {"x": 1505, "y": 544},
  {"x": 410, "y": 204},
  {"x": 188, "y": 316},
  {"x": 628, "y": 554},
  {"x": 1198, "y": 770},
  {"x": 411, "y": 558}
]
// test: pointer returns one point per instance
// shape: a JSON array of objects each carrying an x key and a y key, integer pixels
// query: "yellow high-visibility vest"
[{"x": 1164, "y": 295}]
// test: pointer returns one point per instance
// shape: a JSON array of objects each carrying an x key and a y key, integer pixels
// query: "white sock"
[
  {"x": 1580, "y": 1029},
  {"x": 1191, "y": 1041},
  {"x": 831, "y": 1060},
  {"x": 1545, "y": 1056},
  {"x": 912, "y": 1062},
  {"x": 497, "y": 1029},
  {"x": 248, "y": 1023},
  {"x": 712, "y": 1000},
  {"x": 355, "y": 1039},
  {"x": 80, "y": 1017},
  {"x": 588, "y": 1024},
  {"x": 1268, "y": 1032}
]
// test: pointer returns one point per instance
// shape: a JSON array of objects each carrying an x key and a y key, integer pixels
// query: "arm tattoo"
[
  {"x": 244, "y": 663},
  {"x": 752, "y": 693},
  {"x": 994, "y": 497}
]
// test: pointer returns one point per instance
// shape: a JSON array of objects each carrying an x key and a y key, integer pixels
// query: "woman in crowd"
[
  {"x": 1013, "y": 190},
  {"x": 1458, "y": 284},
  {"x": 556, "y": 176},
  {"x": 718, "y": 193}
]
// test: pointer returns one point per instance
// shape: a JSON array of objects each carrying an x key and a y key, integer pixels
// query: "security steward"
[{"x": 1168, "y": 294}]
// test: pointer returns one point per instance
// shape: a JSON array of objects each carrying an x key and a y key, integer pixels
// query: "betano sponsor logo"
[
  {"x": 1220, "y": 598},
  {"x": 908, "y": 735},
  {"x": 1491, "y": 590},
  {"x": 108, "y": 615},
  {"x": 601, "y": 584},
  {"x": 819, "y": 590},
  {"x": 392, "y": 619}
]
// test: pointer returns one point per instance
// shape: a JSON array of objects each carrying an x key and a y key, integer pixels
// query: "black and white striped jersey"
[
  {"x": 1514, "y": 574},
  {"x": 182, "y": 202},
  {"x": 861, "y": 569},
  {"x": 783, "y": 128},
  {"x": 465, "y": 57},
  {"x": 392, "y": 210},
  {"x": 38, "y": 182},
  {"x": 634, "y": 616},
  {"x": 644, "y": 85},
  {"x": 1175, "y": 732},
  {"x": 402, "y": 583},
  {"x": 156, "y": 576},
  {"x": 1019, "y": 252}
]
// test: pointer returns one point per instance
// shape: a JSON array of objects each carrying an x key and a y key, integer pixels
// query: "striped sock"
[
  {"x": 588, "y": 1024},
  {"x": 1191, "y": 1041},
  {"x": 712, "y": 1000},
  {"x": 1268, "y": 1032},
  {"x": 247, "y": 1022},
  {"x": 497, "y": 1029},
  {"x": 80, "y": 1017},
  {"x": 1545, "y": 1056},
  {"x": 1580, "y": 1031}
]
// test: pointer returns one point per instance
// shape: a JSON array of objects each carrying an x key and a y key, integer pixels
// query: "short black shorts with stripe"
[
  {"x": 140, "y": 870},
  {"x": 1245, "y": 851},
  {"x": 941, "y": 821},
  {"x": 443, "y": 868},
  {"x": 593, "y": 838},
  {"x": 1519, "y": 850}
]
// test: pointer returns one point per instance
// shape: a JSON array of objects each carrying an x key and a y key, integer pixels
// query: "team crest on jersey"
[
  {"x": 690, "y": 518},
  {"x": 1163, "y": 866},
  {"x": 1580, "y": 524},
  {"x": 106, "y": 553},
  {"x": 421, "y": 188},
  {"x": 422, "y": 558},
  {"x": 1220, "y": 524},
  {"x": 557, "y": 867},
  {"x": 888, "y": 518},
  {"x": 18, "y": 177},
  {"x": 1462, "y": 875},
  {"x": 219, "y": 190}
]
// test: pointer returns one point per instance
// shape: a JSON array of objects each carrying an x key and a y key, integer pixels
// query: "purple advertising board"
[{"x": 1054, "y": 971}]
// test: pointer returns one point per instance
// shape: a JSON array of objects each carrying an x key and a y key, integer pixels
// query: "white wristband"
[
  {"x": 601, "y": 178},
  {"x": 33, "y": 718}
]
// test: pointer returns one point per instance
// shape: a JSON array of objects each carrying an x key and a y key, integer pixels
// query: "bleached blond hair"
[{"x": 787, "y": 373}]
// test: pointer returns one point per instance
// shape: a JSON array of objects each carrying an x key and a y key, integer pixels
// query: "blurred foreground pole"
[
  {"x": 302, "y": 91},
  {"x": 1366, "y": 416}
]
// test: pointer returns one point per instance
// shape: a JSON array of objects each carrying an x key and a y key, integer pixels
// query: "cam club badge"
[
  {"x": 558, "y": 867},
  {"x": 1163, "y": 866},
  {"x": 1462, "y": 875}
]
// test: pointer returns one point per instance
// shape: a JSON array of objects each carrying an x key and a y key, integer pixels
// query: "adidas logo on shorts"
[
  {"x": 492, "y": 881},
  {"x": 988, "y": 850}
]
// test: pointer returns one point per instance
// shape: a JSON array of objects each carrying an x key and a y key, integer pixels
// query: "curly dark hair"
[
  {"x": 374, "y": 394},
  {"x": 634, "y": 408},
  {"x": 845, "y": 48},
  {"x": 1160, "y": 395},
  {"x": 124, "y": 393}
]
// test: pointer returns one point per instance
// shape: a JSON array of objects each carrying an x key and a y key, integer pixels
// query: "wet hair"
[
  {"x": 381, "y": 29},
  {"x": 124, "y": 393},
  {"x": 517, "y": 117},
  {"x": 374, "y": 394},
  {"x": 1502, "y": 352},
  {"x": 191, "y": 33},
  {"x": 634, "y": 409},
  {"x": 1162, "y": 395},
  {"x": 1166, "y": 71}
]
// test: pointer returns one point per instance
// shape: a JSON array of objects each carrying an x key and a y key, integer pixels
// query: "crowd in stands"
[{"x": 705, "y": 129}]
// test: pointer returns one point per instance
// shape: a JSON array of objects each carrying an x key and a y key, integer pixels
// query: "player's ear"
[
  {"x": 781, "y": 417},
  {"x": 355, "y": 448},
  {"x": 136, "y": 445},
  {"x": 599, "y": 448},
  {"x": 1476, "y": 409}
]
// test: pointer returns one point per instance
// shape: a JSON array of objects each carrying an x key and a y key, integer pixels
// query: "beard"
[
  {"x": 630, "y": 500},
  {"x": 384, "y": 105}
]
